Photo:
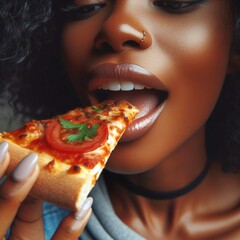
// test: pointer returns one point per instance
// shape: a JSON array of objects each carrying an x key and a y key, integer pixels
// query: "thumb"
[{"x": 73, "y": 225}]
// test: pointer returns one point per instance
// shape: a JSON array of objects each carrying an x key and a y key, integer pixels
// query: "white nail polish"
[
  {"x": 83, "y": 211},
  {"x": 3, "y": 151},
  {"x": 25, "y": 167},
  {"x": 80, "y": 215}
]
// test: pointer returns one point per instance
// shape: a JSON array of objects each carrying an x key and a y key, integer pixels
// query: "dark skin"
[
  {"x": 189, "y": 52},
  {"x": 24, "y": 213}
]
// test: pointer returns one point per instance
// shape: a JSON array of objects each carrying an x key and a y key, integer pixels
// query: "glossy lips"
[
  {"x": 107, "y": 73},
  {"x": 112, "y": 81}
]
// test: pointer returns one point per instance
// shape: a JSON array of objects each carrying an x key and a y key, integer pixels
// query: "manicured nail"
[
  {"x": 85, "y": 208},
  {"x": 25, "y": 167},
  {"x": 3, "y": 151},
  {"x": 81, "y": 214}
]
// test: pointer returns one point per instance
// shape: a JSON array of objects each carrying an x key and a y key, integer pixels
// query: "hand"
[{"x": 24, "y": 215}]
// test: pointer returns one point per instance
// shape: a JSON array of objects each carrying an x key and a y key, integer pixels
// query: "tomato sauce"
[
  {"x": 25, "y": 138},
  {"x": 41, "y": 145},
  {"x": 51, "y": 136}
]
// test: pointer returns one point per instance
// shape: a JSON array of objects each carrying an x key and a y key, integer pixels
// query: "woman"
[{"x": 173, "y": 176}]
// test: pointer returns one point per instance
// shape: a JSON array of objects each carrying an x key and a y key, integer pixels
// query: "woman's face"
[{"x": 177, "y": 50}]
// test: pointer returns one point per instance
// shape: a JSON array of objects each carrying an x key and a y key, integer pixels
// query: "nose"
[{"x": 121, "y": 31}]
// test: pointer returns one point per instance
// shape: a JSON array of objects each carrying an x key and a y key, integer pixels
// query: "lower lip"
[{"x": 142, "y": 125}]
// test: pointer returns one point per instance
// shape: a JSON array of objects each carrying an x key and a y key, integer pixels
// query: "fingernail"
[
  {"x": 85, "y": 208},
  {"x": 25, "y": 167},
  {"x": 3, "y": 151},
  {"x": 80, "y": 215}
]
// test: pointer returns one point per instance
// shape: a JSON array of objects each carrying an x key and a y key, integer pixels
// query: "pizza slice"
[{"x": 73, "y": 149}]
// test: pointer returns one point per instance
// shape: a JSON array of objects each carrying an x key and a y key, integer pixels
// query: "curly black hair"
[
  {"x": 30, "y": 63},
  {"x": 32, "y": 73}
]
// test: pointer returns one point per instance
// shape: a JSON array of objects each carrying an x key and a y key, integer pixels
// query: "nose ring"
[{"x": 143, "y": 36}]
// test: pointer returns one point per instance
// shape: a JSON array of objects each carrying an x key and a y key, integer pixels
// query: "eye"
[
  {"x": 89, "y": 9},
  {"x": 74, "y": 12},
  {"x": 176, "y": 6}
]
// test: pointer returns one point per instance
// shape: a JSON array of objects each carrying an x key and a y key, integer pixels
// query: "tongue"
[{"x": 145, "y": 100}]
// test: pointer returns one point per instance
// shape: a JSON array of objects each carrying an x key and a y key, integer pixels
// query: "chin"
[{"x": 127, "y": 159}]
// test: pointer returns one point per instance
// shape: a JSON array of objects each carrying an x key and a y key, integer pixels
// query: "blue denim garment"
[{"x": 103, "y": 224}]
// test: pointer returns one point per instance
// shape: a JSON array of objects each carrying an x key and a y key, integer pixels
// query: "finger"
[
  {"x": 28, "y": 221},
  {"x": 4, "y": 158},
  {"x": 73, "y": 225},
  {"x": 15, "y": 188}
]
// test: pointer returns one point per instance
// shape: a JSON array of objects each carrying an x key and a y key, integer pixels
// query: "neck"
[{"x": 178, "y": 170}]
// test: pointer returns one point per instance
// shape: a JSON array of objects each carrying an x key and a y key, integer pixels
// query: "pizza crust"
[
  {"x": 59, "y": 187},
  {"x": 60, "y": 181}
]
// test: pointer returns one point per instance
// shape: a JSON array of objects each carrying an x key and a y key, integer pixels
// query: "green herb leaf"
[
  {"x": 97, "y": 109},
  {"x": 75, "y": 137},
  {"x": 67, "y": 124},
  {"x": 84, "y": 130}
]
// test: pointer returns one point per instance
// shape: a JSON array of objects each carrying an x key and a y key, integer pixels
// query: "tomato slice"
[{"x": 54, "y": 136}]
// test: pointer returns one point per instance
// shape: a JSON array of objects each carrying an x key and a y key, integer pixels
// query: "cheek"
[
  {"x": 76, "y": 52},
  {"x": 193, "y": 65},
  {"x": 76, "y": 45},
  {"x": 201, "y": 66},
  {"x": 198, "y": 57}
]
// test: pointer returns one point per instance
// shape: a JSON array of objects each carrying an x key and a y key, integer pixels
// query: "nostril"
[
  {"x": 121, "y": 37},
  {"x": 131, "y": 43},
  {"x": 105, "y": 48}
]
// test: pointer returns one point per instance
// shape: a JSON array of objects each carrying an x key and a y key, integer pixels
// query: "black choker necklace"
[{"x": 162, "y": 195}]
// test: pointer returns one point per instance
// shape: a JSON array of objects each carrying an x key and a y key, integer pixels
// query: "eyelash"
[
  {"x": 176, "y": 6},
  {"x": 73, "y": 12}
]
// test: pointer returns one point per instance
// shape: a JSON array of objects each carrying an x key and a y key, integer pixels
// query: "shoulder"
[
  {"x": 218, "y": 193},
  {"x": 215, "y": 205},
  {"x": 224, "y": 184}
]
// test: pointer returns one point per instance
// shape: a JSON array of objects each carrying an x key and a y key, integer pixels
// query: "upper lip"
[{"x": 109, "y": 72}]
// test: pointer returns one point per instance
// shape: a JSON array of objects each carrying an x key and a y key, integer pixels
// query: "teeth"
[
  {"x": 123, "y": 86},
  {"x": 114, "y": 86},
  {"x": 139, "y": 86},
  {"x": 127, "y": 86}
]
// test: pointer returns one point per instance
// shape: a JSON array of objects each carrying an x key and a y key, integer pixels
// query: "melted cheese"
[{"x": 117, "y": 116}]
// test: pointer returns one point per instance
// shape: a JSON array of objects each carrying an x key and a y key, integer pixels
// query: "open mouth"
[
  {"x": 134, "y": 84},
  {"x": 149, "y": 101},
  {"x": 145, "y": 100}
]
